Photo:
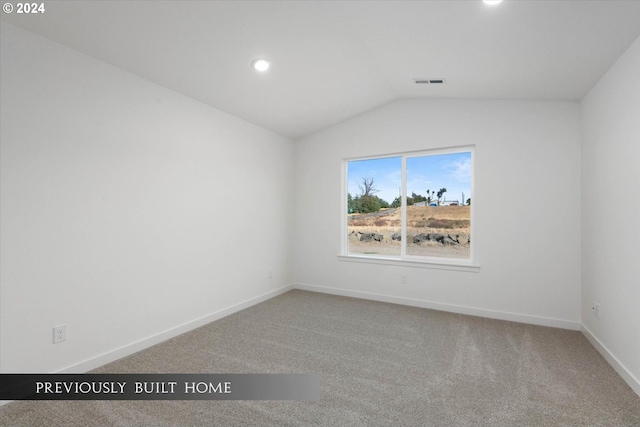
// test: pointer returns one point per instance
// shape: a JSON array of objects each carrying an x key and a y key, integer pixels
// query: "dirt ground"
[{"x": 452, "y": 222}]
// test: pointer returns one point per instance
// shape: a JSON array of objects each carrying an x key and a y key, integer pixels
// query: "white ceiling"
[{"x": 332, "y": 60}]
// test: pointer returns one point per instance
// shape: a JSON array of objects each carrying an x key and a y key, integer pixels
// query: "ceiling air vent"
[{"x": 429, "y": 81}]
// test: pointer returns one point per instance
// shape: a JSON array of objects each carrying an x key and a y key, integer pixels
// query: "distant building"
[{"x": 443, "y": 203}]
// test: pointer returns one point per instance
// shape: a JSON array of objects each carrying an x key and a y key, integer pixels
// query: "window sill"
[{"x": 435, "y": 264}]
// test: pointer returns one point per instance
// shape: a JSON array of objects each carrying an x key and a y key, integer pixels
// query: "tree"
[
  {"x": 417, "y": 198},
  {"x": 368, "y": 204},
  {"x": 367, "y": 187},
  {"x": 365, "y": 204},
  {"x": 469, "y": 202},
  {"x": 440, "y": 194}
]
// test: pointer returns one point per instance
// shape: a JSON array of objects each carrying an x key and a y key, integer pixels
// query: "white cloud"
[{"x": 461, "y": 170}]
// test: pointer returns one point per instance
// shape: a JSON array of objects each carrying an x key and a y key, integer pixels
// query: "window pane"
[
  {"x": 373, "y": 203},
  {"x": 439, "y": 205}
]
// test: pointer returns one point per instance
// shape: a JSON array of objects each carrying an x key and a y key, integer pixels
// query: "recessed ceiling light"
[
  {"x": 492, "y": 2},
  {"x": 260, "y": 64}
]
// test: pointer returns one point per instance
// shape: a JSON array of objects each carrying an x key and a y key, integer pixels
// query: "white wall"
[
  {"x": 115, "y": 217},
  {"x": 610, "y": 237},
  {"x": 127, "y": 209},
  {"x": 526, "y": 201}
]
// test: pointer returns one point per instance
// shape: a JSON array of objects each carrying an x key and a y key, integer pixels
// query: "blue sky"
[{"x": 451, "y": 171}]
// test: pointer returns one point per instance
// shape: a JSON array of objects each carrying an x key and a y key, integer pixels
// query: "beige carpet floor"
[{"x": 379, "y": 364}]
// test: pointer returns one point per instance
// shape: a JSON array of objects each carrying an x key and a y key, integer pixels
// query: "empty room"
[{"x": 268, "y": 213}]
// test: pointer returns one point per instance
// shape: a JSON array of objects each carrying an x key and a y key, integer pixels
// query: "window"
[{"x": 411, "y": 206}]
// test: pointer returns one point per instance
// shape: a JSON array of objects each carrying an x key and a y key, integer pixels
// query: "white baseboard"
[
  {"x": 118, "y": 353},
  {"x": 132, "y": 348},
  {"x": 472, "y": 311},
  {"x": 626, "y": 375}
]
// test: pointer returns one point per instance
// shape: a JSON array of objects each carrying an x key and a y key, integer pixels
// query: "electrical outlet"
[
  {"x": 595, "y": 308},
  {"x": 404, "y": 279},
  {"x": 59, "y": 333}
]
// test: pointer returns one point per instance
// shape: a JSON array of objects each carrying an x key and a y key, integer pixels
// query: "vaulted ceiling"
[{"x": 332, "y": 60}]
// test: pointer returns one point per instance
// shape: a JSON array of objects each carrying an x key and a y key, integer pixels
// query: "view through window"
[{"x": 410, "y": 205}]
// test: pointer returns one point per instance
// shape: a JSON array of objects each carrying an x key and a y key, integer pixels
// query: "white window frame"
[{"x": 467, "y": 264}]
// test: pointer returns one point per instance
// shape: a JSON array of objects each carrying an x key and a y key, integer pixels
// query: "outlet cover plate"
[{"x": 59, "y": 333}]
